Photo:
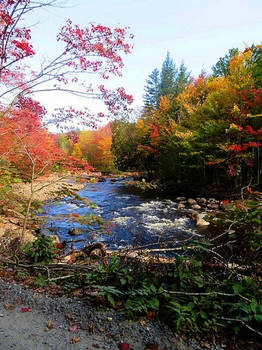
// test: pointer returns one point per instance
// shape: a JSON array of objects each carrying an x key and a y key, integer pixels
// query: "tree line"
[{"x": 198, "y": 131}]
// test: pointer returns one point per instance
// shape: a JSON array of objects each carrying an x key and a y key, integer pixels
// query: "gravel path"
[{"x": 103, "y": 328}]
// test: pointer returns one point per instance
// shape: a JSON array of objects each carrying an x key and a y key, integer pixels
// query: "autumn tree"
[
  {"x": 94, "y": 49},
  {"x": 77, "y": 153}
]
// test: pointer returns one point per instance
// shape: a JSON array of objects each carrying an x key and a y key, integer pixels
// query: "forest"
[{"x": 193, "y": 137}]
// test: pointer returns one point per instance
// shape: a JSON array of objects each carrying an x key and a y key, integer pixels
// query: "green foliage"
[
  {"x": 168, "y": 81},
  {"x": 142, "y": 300},
  {"x": 187, "y": 294},
  {"x": 245, "y": 219},
  {"x": 142, "y": 185},
  {"x": 124, "y": 145},
  {"x": 40, "y": 280},
  {"x": 21, "y": 275},
  {"x": 152, "y": 89},
  {"x": 42, "y": 250},
  {"x": 221, "y": 68},
  {"x": 8, "y": 177},
  {"x": 168, "y": 76},
  {"x": 109, "y": 292}
]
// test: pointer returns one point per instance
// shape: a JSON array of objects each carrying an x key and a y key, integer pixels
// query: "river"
[{"x": 135, "y": 220}]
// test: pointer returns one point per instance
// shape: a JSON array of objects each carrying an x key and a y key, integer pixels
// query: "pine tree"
[
  {"x": 152, "y": 89},
  {"x": 221, "y": 68},
  {"x": 182, "y": 80},
  {"x": 169, "y": 82},
  {"x": 168, "y": 76}
]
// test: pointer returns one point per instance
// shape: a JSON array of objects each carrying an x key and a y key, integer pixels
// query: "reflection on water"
[{"x": 136, "y": 221}]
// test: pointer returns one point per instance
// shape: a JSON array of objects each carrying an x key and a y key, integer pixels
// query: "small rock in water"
[
  {"x": 181, "y": 206},
  {"x": 213, "y": 206},
  {"x": 55, "y": 238},
  {"x": 74, "y": 231},
  {"x": 179, "y": 199},
  {"x": 202, "y": 200},
  {"x": 191, "y": 201},
  {"x": 212, "y": 200},
  {"x": 196, "y": 207}
]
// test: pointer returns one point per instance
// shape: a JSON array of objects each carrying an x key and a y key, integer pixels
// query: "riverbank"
[
  {"x": 48, "y": 187},
  {"x": 44, "y": 188}
]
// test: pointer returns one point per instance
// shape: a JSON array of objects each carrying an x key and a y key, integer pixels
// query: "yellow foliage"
[
  {"x": 183, "y": 135},
  {"x": 77, "y": 153},
  {"x": 240, "y": 70},
  {"x": 164, "y": 104}
]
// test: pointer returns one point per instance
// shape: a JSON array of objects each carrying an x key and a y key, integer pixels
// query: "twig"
[
  {"x": 207, "y": 293},
  {"x": 224, "y": 233},
  {"x": 223, "y": 245},
  {"x": 61, "y": 278},
  {"x": 243, "y": 323}
]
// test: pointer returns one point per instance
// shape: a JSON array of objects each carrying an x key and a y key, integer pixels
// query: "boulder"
[
  {"x": 181, "y": 206},
  {"x": 75, "y": 231}
]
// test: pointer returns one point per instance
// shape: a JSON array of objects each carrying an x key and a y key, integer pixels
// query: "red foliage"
[
  {"x": 95, "y": 40},
  {"x": 243, "y": 147},
  {"x": 146, "y": 149},
  {"x": 73, "y": 164},
  {"x": 154, "y": 132},
  {"x": 250, "y": 100}
]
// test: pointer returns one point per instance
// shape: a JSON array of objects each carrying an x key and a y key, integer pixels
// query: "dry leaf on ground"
[{"x": 75, "y": 340}]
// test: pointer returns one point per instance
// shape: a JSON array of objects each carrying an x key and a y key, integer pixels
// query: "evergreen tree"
[
  {"x": 257, "y": 66},
  {"x": 152, "y": 89},
  {"x": 183, "y": 79},
  {"x": 221, "y": 68},
  {"x": 168, "y": 76},
  {"x": 169, "y": 82}
]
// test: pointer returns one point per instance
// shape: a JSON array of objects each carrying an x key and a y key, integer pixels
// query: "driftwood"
[{"x": 83, "y": 260}]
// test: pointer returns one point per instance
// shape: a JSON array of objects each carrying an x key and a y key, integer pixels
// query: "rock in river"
[{"x": 74, "y": 231}]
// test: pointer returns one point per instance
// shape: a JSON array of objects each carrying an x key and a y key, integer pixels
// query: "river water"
[{"x": 134, "y": 220}]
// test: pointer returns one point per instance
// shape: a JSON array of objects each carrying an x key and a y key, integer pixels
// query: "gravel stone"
[{"x": 26, "y": 331}]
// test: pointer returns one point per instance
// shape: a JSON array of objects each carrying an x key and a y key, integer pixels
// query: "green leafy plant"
[
  {"x": 109, "y": 292},
  {"x": 42, "y": 250},
  {"x": 40, "y": 280}
]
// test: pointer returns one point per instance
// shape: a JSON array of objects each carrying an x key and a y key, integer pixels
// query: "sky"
[{"x": 196, "y": 31}]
